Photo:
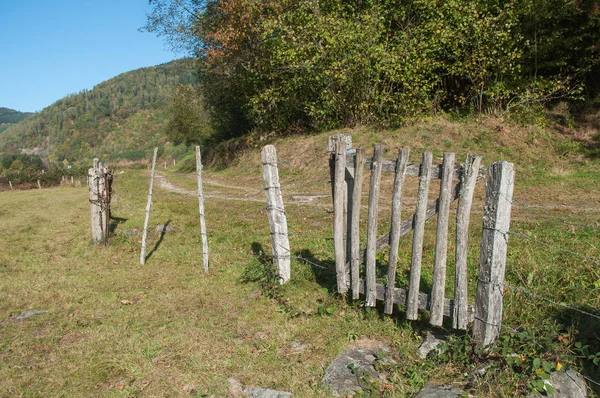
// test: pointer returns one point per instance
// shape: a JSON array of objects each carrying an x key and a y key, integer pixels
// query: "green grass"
[{"x": 185, "y": 332}]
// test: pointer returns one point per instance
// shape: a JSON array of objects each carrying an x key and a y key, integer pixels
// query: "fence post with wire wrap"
[
  {"x": 99, "y": 184},
  {"x": 276, "y": 214},
  {"x": 201, "y": 207},
  {"x": 492, "y": 257}
]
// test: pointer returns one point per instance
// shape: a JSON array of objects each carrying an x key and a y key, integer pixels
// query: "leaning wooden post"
[
  {"x": 148, "y": 205},
  {"x": 201, "y": 205},
  {"x": 95, "y": 205},
  {"x": 10, "y": 183},
  {"x": 492, "y": 259},
  {"x": 276, "y": 214},
  {"x": 339, "y": 241}
]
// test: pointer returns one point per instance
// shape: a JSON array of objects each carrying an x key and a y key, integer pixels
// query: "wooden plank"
[
  {"x": 355, "y": 222},
  {"x": 424, "y": 302},
  {"x": 401, "y": 164},
  {"x": 492, "y": 260},
  {"x": 276, "y": 213},
  {"x": 373, "y": 211},
  {"x": 417, "y": 247},
  {"x": 148, "y": 205},
  {"x": 348, "y": 198},
  {"x": 441, "y": 242},
  {"x": 413, "y": 169},
  {"x": 463, "y": 215},
  {"x": 95, "y": 209},
  {"x": 408, "y": 225},
  {"x": 338, "y": 216},
  {"x": 201, "y": 209}
]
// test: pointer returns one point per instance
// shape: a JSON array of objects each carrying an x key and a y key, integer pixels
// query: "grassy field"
[{"x": 116, "y": 328}]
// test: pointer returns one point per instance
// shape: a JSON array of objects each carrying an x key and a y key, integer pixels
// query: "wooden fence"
[{"x": 457, "y": 182}]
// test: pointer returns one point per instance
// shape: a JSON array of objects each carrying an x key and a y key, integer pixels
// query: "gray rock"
[
  {"x": 298, "y": 346},
  {"x": 238, "y": 390},
  {"x": 567, "y": 384},
  {"x": 308, "y": 198},
  {"x": 339, "y": 376},
  {"x": 432, "y": 390},
  {"x": 131, "y": 232},
  {"x": 430, "y": 342},
  {"x": 29, "y": 313}
]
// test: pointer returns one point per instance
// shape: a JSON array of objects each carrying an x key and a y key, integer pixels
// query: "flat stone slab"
[
  {"x": 567, "y": 384},
  {"x": 238, "y": 390},
  {"x": 360, "y": 356},
  {"x": 432, "y": 390},
  {"x": 29, "y": 313}
]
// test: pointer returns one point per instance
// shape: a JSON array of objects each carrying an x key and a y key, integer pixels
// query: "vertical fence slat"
[
  {"x": 348, "y": 194},
  {"x": 419, "y": 231},
  {"x": 359, "y": 165},
  {"x": 95, "y": 209},
  {"x": 276, "y": 214},
  {"x": 201, "y": 208},
  {"x": 441, "y": 242},
  {"x": 370, "y": 292},
  {"x": 338, "y": 216},
  {"x": 148, "y": 205},
  {"x": 401, "y": 164},
  {"x": 460, "y": 318},
  {"x": 492, "y": 260}
]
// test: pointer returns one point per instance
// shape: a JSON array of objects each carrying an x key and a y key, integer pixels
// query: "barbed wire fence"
[
  {"x": 289, "y": 186},
  {"x": 532, "y": 210}
]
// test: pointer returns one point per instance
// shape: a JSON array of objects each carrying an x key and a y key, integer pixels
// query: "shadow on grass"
[
  {"x": 163, "y": 232},
  {"x": 588, "y": 337},
  {"x": 114, "y": 223},
  {"x": 322, "y": 269}
]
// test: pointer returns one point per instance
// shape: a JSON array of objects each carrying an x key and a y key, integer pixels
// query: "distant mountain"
[
  {"x": 121, "y": 118},
  {"x": 11, "y": 116}
]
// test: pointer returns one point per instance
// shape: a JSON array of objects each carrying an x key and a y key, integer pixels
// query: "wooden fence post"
[
  {"x": 438, "y": 288},
  {"x": 339, "y": 232},
  {"x": 276, "y": 214},
  {"x": 359, "y": 165},
  {"x": 201, "y": 205},
  {"x": 148, "y": 205},
  {"x": 95, "y": 205},
  {"x": 412, "y": 303},
  {"x": 492, "y": 259},
  {"x": 373, "y": 211},
  {"x": 460, "y": 319}
]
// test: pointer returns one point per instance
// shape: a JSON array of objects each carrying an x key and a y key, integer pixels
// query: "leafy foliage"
[{"x": 309, "y": 64}]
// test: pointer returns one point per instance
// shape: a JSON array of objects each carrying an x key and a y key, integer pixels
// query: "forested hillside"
[
  {"x": 122, "y": 118},
  {"x": 9, "y": 117}
]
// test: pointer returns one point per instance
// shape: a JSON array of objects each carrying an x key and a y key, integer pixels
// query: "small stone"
[
  {"x": 131, "y": 232},
  {"x": 238, "y": 390},
  {"x": 480, "y": 371},
  {"x": 340, "y": 377},
  {"x": 307, "y": 198},
  {"x": 432, "y": 390},
  {"x": 29, "y": 313},
  {"x": 298, "y": 346},
  {"x": 567, "y": 384},
  {"x": 430, "y": 342}
]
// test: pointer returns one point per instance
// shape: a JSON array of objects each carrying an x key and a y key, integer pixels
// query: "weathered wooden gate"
[{"x": 456, "y": 182}]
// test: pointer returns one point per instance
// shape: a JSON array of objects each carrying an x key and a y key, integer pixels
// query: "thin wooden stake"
[
  {"x": 356, "y": 196},
  {"x": 492, "y": 260},
  {"x": 201, "y": 206},
  {"x": 417, "y": 247},
  {"x": 460, "y": 318},
  {"x": 401, "y": 164},
  {"x": 276, "y": 214},
  {"x": 371, "y": 294},
  {"x": 148, "y": 205},
  {"x": 338, "y": 217},
  {"x": 441, "y": 242},
  {"x": 10, "y": 183}
]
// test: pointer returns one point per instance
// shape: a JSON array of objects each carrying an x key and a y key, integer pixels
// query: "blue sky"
[{"x": 51, "y": 48}]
